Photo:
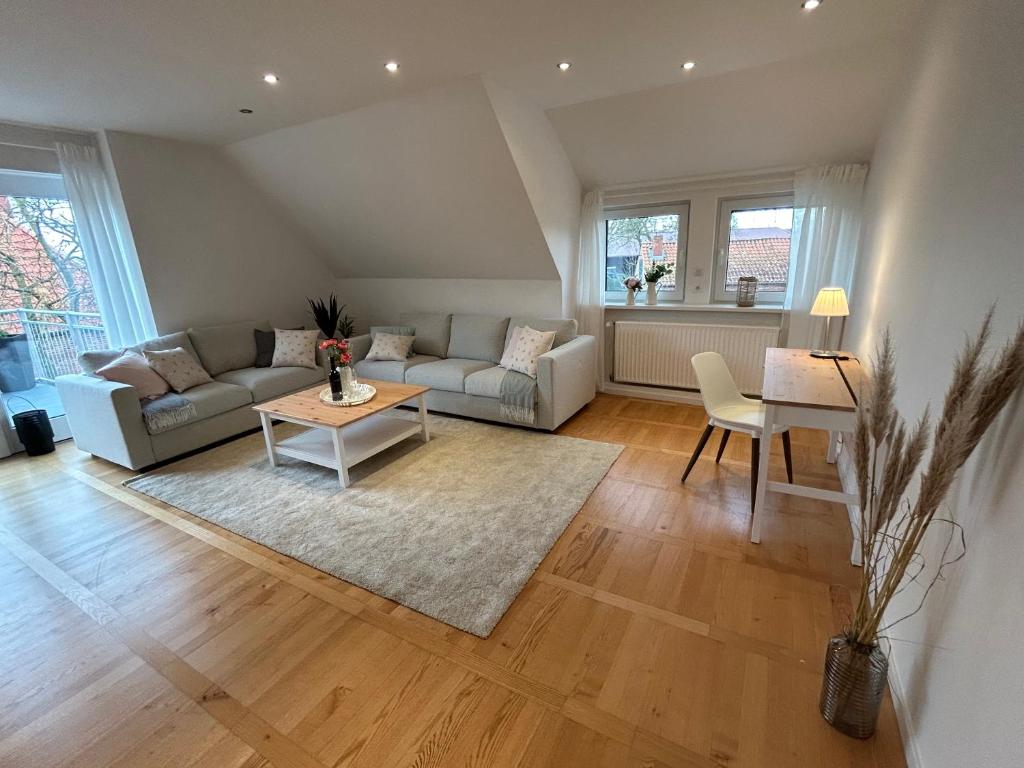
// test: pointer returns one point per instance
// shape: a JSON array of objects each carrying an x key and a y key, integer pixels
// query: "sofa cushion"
[
  {"x": 433, "y": 331},
  {"x": 294, "y": 349},
  {"x": 132, "y": 369},
  {"x": 265, "y": 343},
  {"x": 217, "y": 397},
  {"x": 226, "y": 347},
  {"x": 486, "y": 383},
  {"x": 390, "y": 370},
  {"x": 268, "y": 383},
  {"x": 388, "y": 346},
  {"x": 89, "y": 362},
  {"x": 180, "y": 369},
  {"x": 477, "y": 337},
  {"x": 449, "y": 375},
  {"x": 565, "y": 329}
]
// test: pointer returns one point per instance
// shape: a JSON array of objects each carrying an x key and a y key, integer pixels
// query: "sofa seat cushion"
[
  {"x": 268, "y": 383},
  {"x": 217, "y": 397},
  {"x": 390, "y": 370},
  {"x": 477, "y": 337},
  {"x": 449, "y": 375},
  {"x": 486, "y": 383}
]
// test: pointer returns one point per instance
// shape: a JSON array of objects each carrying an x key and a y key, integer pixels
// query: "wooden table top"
[
  {"x": 792, "y": 377},
  {"x": 307, "y": 407}
]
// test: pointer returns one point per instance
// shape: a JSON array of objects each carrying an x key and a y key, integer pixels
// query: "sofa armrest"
[
  {"x": 566, "y": 380},
  {"x": 105, "y": 418},
  {"x": 359, "y": 346}
]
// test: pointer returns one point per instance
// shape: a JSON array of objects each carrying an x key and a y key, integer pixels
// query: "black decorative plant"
[
  {"x": 326, "y": 315},
  {"x": 346, "y": 326}
]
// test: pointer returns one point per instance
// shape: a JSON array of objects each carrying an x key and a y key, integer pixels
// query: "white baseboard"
[
  {"x": 903, "y": 716},
  {"x": 652, "y": 393}
]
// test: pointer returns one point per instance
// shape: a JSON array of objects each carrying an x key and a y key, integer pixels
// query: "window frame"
[
  {"x": 680, "y": 208},
  {"x": 726, "y": 207}
]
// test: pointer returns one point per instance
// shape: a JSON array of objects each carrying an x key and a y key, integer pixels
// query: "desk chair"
[{"x": 730, "y": 410}]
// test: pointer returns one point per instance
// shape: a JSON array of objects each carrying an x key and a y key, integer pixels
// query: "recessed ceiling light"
[
  {"x": 392, "y": 66},
  {"x": 271, "y": 78},
  {"x": 689, "y": 65},
  {"x": 245, "y": 111},
  {"x": 565, "y": 66},
  {"x": 810, "y": 5}
]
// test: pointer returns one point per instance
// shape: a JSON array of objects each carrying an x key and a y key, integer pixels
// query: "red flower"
[
  {"x": 346, "y": 358},
  {"x": 328, "y": 343}
]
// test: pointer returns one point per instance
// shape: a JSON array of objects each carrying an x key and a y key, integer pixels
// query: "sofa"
[
  {"x": 106, "y": 418},
  {"x": 457, "y": 356}
]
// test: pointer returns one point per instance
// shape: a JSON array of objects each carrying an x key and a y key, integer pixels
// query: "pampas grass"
[{"x": 887, "y": 456}]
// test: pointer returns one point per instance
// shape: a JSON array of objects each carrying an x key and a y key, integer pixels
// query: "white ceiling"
[{"x": 183, "y": 68}]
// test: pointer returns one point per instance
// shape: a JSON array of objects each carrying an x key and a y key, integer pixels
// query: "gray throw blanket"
[
  {"x": 517, "y": 397},
  {"x": 167, "y": 412}
]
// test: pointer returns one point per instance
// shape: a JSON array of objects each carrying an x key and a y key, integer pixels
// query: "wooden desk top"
[
  {"x": 306, "y": 405},
  {"x": 792, "y": 377}
]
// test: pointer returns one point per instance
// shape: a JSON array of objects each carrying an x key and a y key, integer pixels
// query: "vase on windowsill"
[
  {"x": 652, "y": 294},
  {"x": 652, "y": 275}
]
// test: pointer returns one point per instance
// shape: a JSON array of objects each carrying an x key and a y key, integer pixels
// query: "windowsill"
[{"x": 678, "y": 306}]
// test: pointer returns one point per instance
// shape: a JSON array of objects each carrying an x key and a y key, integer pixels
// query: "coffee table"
[{"x": 341, "y": 436}]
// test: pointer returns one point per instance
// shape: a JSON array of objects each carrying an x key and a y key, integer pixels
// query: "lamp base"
[{"x": 826, "y": 353}]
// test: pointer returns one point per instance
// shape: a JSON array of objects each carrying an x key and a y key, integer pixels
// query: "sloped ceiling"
[
  {"x": 826, "y": 108},
  {"x": 419, "y": 187}
]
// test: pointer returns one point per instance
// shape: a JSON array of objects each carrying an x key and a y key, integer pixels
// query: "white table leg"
[
  {"x": 762, "y": 474},
  {"x": 423, "y": 419},
  {"x": 339, "y": 456},
  {"x": 268, "y": 437},
  {"x": 833, "y": 447}
]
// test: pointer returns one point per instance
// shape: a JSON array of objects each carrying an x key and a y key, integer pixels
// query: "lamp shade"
[{"x": 830, "y": 302}]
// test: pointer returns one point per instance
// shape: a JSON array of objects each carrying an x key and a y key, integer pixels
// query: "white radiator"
[{"x": 659, "y": 354}]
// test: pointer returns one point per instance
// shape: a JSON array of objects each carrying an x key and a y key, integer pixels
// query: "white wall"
[
  {"x": 828, "y": 108},
  {"x": 548, "y": 177},
  {"x": 943, "y": 240},
  {"x": 379, "y": 301},
  {"x": 213, "y": 248}
]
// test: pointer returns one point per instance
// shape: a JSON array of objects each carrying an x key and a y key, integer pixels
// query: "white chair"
[{"x": 730, "y": 410}]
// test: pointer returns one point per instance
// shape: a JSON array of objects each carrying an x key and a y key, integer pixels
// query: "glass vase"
[
  {"x": 852, "y": 686},
  {"x": 348, "y": 380}
]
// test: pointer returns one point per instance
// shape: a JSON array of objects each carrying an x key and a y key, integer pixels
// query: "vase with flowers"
[
  {"x": 632, "y": 288},
  {"x": 652, "y": 275},
  {"x": 340, "y": 377}
]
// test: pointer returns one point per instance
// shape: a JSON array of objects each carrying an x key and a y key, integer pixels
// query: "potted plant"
[
  {"x": 653, "y": 274},
  {"x": 892, "y": 528},
  {"x": 632, "y": 287},
  {"x": 340, "y": 376},
  {"x": 327, "y": 315},
  {"x": 16, "y": 371}
]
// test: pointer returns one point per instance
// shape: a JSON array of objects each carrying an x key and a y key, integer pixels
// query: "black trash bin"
[{"x": 34, "y": 431}]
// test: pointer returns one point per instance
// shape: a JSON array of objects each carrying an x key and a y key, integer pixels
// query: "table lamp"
[{"x": 830, "y": 302}]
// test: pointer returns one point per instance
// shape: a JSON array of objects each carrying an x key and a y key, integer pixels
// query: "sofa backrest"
[
  {"x": 89, "y": 362},
  {"x": 231, "y": 347},
  {"x": 478, "y": 337},
  {"x": 433, "y": 332},
  {"x": 564, "y": 328}
]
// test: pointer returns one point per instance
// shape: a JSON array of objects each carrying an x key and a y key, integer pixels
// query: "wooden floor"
[{"x": 653, "y": 634}]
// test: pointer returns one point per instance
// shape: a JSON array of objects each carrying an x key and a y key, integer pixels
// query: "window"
[
  {"x": 638, "y": 238},
  {"x": 753, "y": 240}
]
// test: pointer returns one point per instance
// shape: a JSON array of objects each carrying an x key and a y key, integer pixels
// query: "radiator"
[{"x": 658, "y": 354}]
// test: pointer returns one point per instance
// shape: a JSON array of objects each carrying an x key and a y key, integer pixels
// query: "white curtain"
[
  {"x": 826, "y": 233},
  {"x": 590, "y": 275},
  {"x": 109, "y": 253}
]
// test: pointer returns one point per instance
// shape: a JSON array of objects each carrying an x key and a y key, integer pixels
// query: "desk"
[{"x": 804, "y": 391}]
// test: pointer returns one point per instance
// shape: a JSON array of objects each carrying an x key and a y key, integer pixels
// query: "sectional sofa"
[
  {"x": 457, "y": 357},
  {"x": 106, "y": 418}
]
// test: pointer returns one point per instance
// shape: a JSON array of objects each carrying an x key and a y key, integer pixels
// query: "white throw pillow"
[
  {"x": 177, "y": 367},
  {"x": 294, "y": 349},
  {"x": 388, "y": 346},
  {"x": 524, "y": 347}
]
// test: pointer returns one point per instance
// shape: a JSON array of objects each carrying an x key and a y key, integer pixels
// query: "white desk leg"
[
  {"x": 833, "y": 447},
  {"x": 423, "y": 419},
  {"x": 762, "y": 474},
  {"x": 268, "y": 437},
  {"x": 339, "y": 456}
]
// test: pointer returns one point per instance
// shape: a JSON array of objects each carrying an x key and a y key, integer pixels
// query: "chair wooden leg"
[
  {"x": 721, "y": 446},
  {"x": 696, "y": 452},
  {"x": 755, "y": 460},
  {"x": 788, "y": 450}
]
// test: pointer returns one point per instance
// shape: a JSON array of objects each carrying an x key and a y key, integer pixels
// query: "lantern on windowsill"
[{"x": 746, "y": 291}]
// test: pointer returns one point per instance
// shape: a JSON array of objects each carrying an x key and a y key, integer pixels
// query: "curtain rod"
[{"x": 680, "y": 180}]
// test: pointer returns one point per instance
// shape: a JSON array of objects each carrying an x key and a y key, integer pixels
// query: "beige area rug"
[{"x": 453, "y": 528}]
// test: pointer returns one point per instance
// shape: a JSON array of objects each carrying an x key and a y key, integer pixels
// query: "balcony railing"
[{"x": 55, "y": 338}]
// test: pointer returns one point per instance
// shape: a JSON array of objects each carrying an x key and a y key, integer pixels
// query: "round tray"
[{"x": 363, "y": 393}]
